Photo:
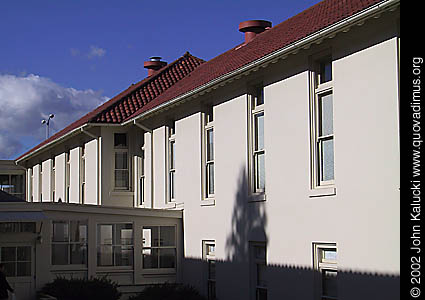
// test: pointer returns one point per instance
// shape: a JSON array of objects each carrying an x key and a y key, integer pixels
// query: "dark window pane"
[
  {"x": 329, "y": 283},
  {"x": 60, "y": 232},
  {"x": 23, "y": 269},
  {"x": 121, "y": 160},
  {"x": 78, "y": 254},
  {"x": 325, "y": 70},
  {"x": 210, "y": 144},
  {"x": 8, "y": 254},
  {"x": 60, "y": 254},
  {"x": 123, "y": 255},
  {"x": 121, "y": 179},
  {"x": 211, "y": 269},
  {"x": 10, "y": 269},
  {"x": 167, "y": 258},
  {"x": 104, "y": 233},
  {"x": 120, "y": 140},
  {"x": 24, "y": 253},
  {"x": 78, "y": 232},
  {"x": 168, "y": 236},
  {"x": 123, "y": 234},
  {"x": 150, "y": 258}
]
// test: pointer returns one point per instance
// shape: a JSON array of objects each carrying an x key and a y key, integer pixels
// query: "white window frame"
[
  {"x": 113, "y": 245},
  {"x": 319, "y": 90},
  {"x": 69, "y": 242},
  {"x": 40, "y": 182},
  {"x": 254, "y": 172},
  {"x": 320, "y": 264},
  {"x": 210, "y": 258},
  {"x": 207, "y": 125},
  {"x": 159, "y": 247},
  {"x": 170, "y": 163},
  {"x": 122, "y": 150}
]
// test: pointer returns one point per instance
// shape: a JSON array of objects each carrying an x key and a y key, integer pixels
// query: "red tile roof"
[
  {"x": 189, "y": 72},
  {"x": 133, "y": 98}
]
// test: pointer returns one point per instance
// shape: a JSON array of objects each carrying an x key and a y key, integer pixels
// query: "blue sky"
[{"x": 66, "y": 57}]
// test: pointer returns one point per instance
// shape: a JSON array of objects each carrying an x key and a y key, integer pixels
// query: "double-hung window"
[
  {"x": 16, "y": 260},
  {"x": 257, "y": 148},
  {"x": 171, "y": 163},
  {"x": 325, "y": 263},
  {"x": 322, "y": 126},
  {"x": 115, "y": 244},
  {"x": 159, "y": 247},
  {"x": 69, "y": 243},
  {"x": 208, "y": 154},
  {"x": 209, "y": 257},
  {"x": 121, "y": 162},
  {"x": 258, "y": 270},
  {"x": 13, "y": 184}
]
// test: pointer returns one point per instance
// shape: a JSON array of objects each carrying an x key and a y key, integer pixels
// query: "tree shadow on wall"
[{"x": 235, "y": 275}]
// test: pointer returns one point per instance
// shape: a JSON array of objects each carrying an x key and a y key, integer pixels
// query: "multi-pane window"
[
  {"x": 13, "y": 184},
  {"x": 159, "y": 247},
  {"x": 115, "y": 244},
  {"x": 259, "y": 267},
  {"x": 121, "y": 170},
  {"x": 16, "y": 261},
  {"x": 83, "y": 174},
  {"x": 209, "y": 256},
  {"x": 171, "y": 161},
  {"x": 323, "y": 131},
  {"x": 325, "y": 262},
  {"x": 208, "y": 153},
  {"x": 15, "y": 227},
  {"x": 257, "y": 168},
  {"x": 69, "y": 243}
]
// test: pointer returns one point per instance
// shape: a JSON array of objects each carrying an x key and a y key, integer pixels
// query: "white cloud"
[
  {"x": 96, "y": 52},
  {"x": 26, "y": 100}
]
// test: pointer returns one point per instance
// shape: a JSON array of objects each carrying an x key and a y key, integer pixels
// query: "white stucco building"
[{"x": 268, "y": 172}]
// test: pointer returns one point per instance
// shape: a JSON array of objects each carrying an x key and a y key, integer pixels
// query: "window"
[
  {"x": 67, "y": 175},
  {"x": 258, "y": 270},
  {"x": 13, "y": 184},
  {"x": 257, "y": 147},
  {"x": 69, "y": 243},
  {"x": 83, "y": 174},
  {"x": 171, "y": 163},
  {"x": 209, "y": 256},
  {"x": 121, "y": 172},
  {"x": 15, "y": 227},
  {"x": 115, "y": 244},
  {"x": 142, "y": 178},
  {"x": 16, "y": 260},
  {"x": 159, "y": 247},
  {"x": 325, "y": 262},
  {"x": 53, "y": 180},
  {"x": 208, "y": 153},
  {"x": 322, "y": 126}
]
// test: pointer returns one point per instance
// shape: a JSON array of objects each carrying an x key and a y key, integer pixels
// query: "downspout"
[
  {"x": 151, "y": 132},
  {"x": 99, "y": 173}
]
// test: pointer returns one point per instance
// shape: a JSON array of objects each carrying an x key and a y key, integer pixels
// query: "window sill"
[
  {"x": 208, "y": 202},
  {"x": 121, "y": 193},
  {"x": 158, "y": 272},
  {"x": 322, "y": 192},
  {"x": 257, "y": 197},
  {"x": 170, "y": 205},
  {"x": 69, "y": 267},
  {"x": 114, "y": 269}
]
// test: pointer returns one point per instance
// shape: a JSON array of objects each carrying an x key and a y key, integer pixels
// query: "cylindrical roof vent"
[
  {"x": 253, "y": 27},
  {"x": 154, "y": 64}
]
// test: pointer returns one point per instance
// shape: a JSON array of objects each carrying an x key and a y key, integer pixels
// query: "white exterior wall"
[
  {"x": 91, "y": 172},
  {"x": 46, "y": 188},
  {"x": 159, "y": 166},
  {"x": 36, "y": 183},
  {"x": 74, "y": 180},
  {"x": 60, "y": 173}
]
